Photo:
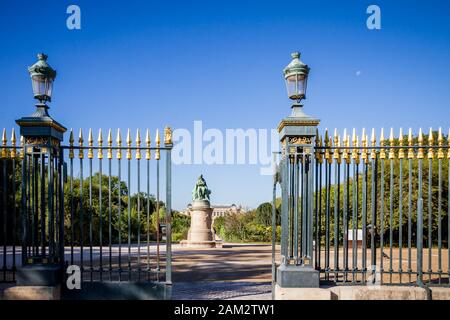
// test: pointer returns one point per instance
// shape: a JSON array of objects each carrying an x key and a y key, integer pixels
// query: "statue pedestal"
[{"x": 200, "y": 234}]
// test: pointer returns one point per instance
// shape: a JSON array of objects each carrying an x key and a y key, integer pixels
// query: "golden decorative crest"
[{"x": 167, "y": 135}]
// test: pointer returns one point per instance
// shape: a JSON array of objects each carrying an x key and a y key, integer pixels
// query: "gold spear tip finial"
[
  {"x": 110, "y": 136},
  {"x": 391, "y": 135},
  {"x": 157, "y": 139},
  {"x": 80, "y": 136},
  {"x": 420, "y": 135},
  {"x": 100, "y": 136},
  {"x": 4, "y": 139},
  {"x": 128, "y": 136},
  {"x": 147, "y": 136},
  {"x": 13, "y": 136},
  {"x": 118, "y": 138},
  {"x": 373, "y": 138},
  {"x": 90, "y": 138},
  {"x": 430, "y": 136},
  {"x": 71, "y": 140},
  {"x": 138, "y": 137}
]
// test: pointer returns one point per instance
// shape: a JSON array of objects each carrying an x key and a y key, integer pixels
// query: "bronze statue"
[{"x": 201, "y": 191}]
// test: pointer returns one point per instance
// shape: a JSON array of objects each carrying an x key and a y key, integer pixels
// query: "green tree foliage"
[
  {"x": 79, "y": 206},
  {"x": 264, "y": 214},
  {"x": 387, "y": 212},
  {"x": 244, "y": 227}
]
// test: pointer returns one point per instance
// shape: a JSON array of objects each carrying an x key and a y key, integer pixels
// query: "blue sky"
[{"x": 145, "y": 64}]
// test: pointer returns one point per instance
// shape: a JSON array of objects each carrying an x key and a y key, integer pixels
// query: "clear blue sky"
[{"x": 142, "y": 64}]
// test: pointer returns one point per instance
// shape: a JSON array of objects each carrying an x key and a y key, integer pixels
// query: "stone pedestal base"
[
  {"x": 292, "y": 276},
  {"x": 200, "y": 234},
  {"x": 198, "y": 244}
]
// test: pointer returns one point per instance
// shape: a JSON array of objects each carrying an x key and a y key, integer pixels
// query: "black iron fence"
[
  {"x": 102, "y": 207},
  {"x": 381, "y": 210}
]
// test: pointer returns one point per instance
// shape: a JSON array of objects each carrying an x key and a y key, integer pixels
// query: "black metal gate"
[{"x": 89, "y": 207}]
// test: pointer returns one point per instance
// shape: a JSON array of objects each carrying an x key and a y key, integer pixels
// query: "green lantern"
[
  {"x": 42, "y": 77},
  {"x": 296, "y": 76}
]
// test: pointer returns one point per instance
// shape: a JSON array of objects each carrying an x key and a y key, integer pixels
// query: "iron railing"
[
  {"x": 81, "y": 206},
  {"x": 369, "y": 224}
]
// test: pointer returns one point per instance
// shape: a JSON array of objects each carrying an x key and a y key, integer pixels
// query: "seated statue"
[{"x": 201, "y": 191}]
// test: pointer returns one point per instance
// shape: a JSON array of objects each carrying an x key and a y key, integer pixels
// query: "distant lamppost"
[
  {"x": 297, "y": 134},
  {"x": 42, "y": 181}
]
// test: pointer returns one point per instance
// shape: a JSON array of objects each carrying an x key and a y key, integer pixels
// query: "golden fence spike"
[
  {"x": 71, "y": 141},
  {"x": 138, "y": 137},
  {"x": 430, "y": 144},
  {"x": 110, "y": 142},
  {"x": 128, "y": 137},
  {"x": 327, "y": 146},
  {"x": 100, "y": 136},
  {"x": 364, "y": 151},
  {"x": 138, "y": 143},
  {"x": 118, "y": 138},
  {"x": 110, "y": 139},
  {"x": 100, "y": 144},
  {"x": 440, "y": 154},
  {"x": 13, "y": 137},
  {"x": 90, "y": 144},
  {"x": 365, "y": 144},
  {"x": 410, "y": 144},
  {"x": 167, "y": 135},
  {"x": 317, "y": 150},
  {"x": 382, "y": 150},
  {"x": 22, "y": 146},
  {"x": 128, "y": 144},
  {"x": 13, "y": 143},
  {"x": 345, "y": 156},
  {"x": 4, "y": 141},
  {"x": 373, "y": 139},
  {"x": 80, "y": 143},
  {"x": 401, "y": 152},
  {"x": 336, "y": 154},
  {"x": 448, "y": 143},
  {"x": 355, "y": 155},
  {"x": 158, "y": 142},
  {"x": 148, "y": 143},
  {"x": 119, "y": 144},
  {"x": 420, "y": 143},
  {"x": 392, "y": 144},
  {"x": 90, "y": 138}
]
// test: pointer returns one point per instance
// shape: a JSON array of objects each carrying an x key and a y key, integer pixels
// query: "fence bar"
[
  {"x": 91, "y": 216},
  {"x": 168, "y": 216},
  {"x": 400, "y": 220},
  {"x": 430, "y": 217}
]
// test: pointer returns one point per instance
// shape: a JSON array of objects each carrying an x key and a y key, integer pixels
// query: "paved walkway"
[{"x": 236, "y": 271}]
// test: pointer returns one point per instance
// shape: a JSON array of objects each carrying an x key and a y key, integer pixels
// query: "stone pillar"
[{"x": 200, "y": 234}]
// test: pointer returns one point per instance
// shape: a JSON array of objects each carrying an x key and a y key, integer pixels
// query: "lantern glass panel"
[
  {"x": 42, "y": 87},
  {"x": 296, "y": 86}
]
